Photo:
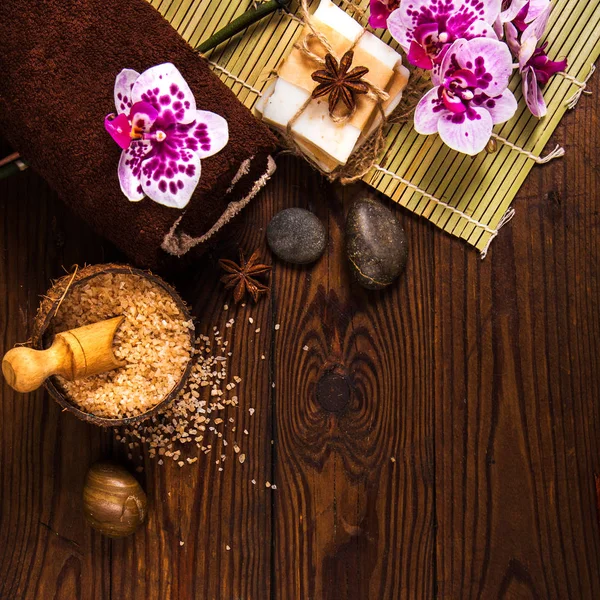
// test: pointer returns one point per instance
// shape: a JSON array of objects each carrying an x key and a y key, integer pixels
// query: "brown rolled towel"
[{"x": 59, "y": 60}]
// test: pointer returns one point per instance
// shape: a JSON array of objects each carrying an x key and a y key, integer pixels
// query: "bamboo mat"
[{"x": 467, "y": 197}]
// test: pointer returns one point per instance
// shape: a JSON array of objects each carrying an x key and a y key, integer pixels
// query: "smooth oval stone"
[
  {"x": 375, "y": 244},
  {"x": 296, "y": 236}
]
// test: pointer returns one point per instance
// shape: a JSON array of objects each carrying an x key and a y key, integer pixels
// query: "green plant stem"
[
  {"x": 11, "y": 168},
  {"x": 242, "y": 22}
]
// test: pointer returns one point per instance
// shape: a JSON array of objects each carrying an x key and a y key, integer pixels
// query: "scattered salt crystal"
[
  {"x": 305, "y": 348},
  {"x": 254, "y": 482},
  {"x": 277, "y": 327},
  {"x": 227, "y": 548},
  {"x": 250, "y": 320},
  {"x": 251, "y": 411},
  {"x": 267, "y": 484},
  {"x": 181, "y": 542},
  {"x": 242, "y": 458},
  {"x": 273, "y": 487}
]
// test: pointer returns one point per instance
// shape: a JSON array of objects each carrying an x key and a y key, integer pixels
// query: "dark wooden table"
[{"x": 449, "y": 451}]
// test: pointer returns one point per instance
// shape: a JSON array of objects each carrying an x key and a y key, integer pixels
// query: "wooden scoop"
[{"x": 74, "y": 354}]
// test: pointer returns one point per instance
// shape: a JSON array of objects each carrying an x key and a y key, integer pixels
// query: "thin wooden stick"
[{"x": 10, "y": 158}]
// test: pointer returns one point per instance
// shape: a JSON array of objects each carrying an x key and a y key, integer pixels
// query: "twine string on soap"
[{"x": 362, "y": 160}]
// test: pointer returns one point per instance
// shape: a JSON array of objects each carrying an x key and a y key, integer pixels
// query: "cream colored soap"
[
  {"x": 285, "y": 101},
  {"x": 315, "y": 125},
  {"x": 337, "y": 19},
  {"x": 328, "y": 143},
  {"x": 395, "y": 90}
]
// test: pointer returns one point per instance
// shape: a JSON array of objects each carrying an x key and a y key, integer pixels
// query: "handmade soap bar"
[
  {"x": 287, "y": 105},
  {"x": 59, "y": 65}
]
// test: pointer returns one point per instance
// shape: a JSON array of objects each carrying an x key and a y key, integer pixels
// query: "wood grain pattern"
[{"x": 481, "y": 380}]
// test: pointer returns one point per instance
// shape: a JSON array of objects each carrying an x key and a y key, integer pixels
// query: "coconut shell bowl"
[{"x": 43, "y": 328}]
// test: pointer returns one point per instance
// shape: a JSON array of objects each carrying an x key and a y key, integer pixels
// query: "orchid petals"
[
  {"x": 428, "y": 112},
  {"x": 379, "y": 14},
  {"x": 453, "y": 103},
  {"x": 468, "y": 132},
  {"x": 450, "y": 58},
  {"x": 130, "y": 167},
  {"x": 536, "y": 8},
  {"x": 491, "y": 62},
  {"x": 539, "y": 24},
  {"x": 418, "y": 57},
  {"x": 143, "y": 116},
  {"x": 163, "y": 136},
  {"x": 433, "y": 25},
  {"x": 211, "y": 132},
  {"x": 533, "y": 95},
  {"x": 527, "y": 50},
  {"x": 167, "y": 91},
  {"x": 119, "y": 129},
  {"x": 399, "y": 31},
  {"x": 123, "y": 84},
  {"x": 502, "y": 108},
  {"x": 171, "y": 182},
  {"x": 480, "y": 29},
  {"x": 491, "y": 10},
  {"x": 512, "y": 38},
  {"x": 515, "y": 7}
]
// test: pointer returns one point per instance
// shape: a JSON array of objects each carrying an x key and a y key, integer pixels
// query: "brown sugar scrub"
[
  {"x": 206, "y": 417},
  {"x": 154, "y": 341}
]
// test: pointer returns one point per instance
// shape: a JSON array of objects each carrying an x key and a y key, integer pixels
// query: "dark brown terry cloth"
[{"x": 59, "y": 60}]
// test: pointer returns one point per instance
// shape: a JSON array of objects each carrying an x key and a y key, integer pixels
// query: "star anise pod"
[
  {"x": 242, "y": 278},
  {"x": 339, "y": 84}
]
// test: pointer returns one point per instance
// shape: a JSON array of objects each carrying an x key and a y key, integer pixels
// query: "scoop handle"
[
  {"x": 74, "y": 354},
  {"x": 26, "y": 369}
]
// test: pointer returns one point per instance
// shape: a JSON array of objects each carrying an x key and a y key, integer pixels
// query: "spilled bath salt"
[
  {"x": 153, "y": 340},
  {"x": 197, "y": 420}
]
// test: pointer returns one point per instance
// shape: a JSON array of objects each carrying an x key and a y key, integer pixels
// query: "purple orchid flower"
[
  {"x": 470, "y": 96},
  {"x": 534, "y": 65},
  {"x": 530, "y": 11},
  {"x": 521, "y": 13},
  {"x": 380, "y": 11},
  {"x": 162, "y": 134},
  {"x": 426, "y": 28}
]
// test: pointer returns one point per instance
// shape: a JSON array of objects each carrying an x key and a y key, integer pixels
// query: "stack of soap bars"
[{"x": 326, "y": 142}]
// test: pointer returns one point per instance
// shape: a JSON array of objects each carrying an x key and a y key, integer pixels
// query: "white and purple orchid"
[
  {"x": 470, "y": 96},
  {"x": 380, "y": 10},
  {"x": 427, "y": 28},
  {"x": 523, "y": 34},
  {"x": 162, "y": 134}
]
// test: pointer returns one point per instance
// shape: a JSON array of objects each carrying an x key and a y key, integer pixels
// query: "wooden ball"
[{"x": 114, "y": 503}]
